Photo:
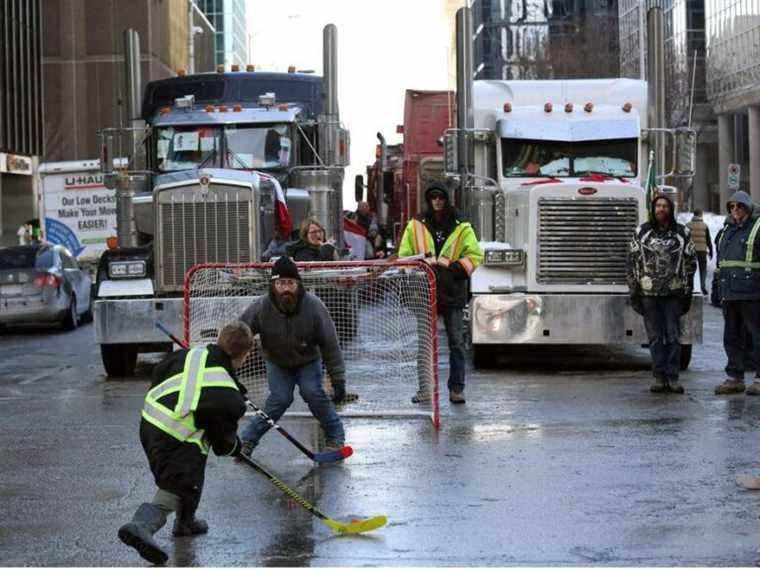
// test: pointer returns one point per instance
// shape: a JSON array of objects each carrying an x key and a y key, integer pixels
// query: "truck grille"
[
  {"x": 212, "y": 226},
  {"x": 584, "y": 241}
]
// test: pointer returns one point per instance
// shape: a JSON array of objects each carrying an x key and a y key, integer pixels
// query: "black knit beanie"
[{"x": 285, "y": 268}]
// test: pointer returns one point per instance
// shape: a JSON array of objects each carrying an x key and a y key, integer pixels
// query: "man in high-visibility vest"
[
  {"x": 450, "y": 246},
  {"x": 193, "y": 406},
  {"x": 739, "y": 264}
]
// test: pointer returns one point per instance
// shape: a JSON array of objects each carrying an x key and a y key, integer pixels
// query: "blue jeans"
[
  {"x": 662, "y": 323},
  {"x": 282, "y": 383},
  {"x": 453, "y": 319}
]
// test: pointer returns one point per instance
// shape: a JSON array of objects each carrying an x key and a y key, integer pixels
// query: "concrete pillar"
[
  {"x": 754, "y": 153},
  {"x": 725, "y": 155}
]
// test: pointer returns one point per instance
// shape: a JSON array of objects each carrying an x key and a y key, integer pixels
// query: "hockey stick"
[
  {"x": 353, "y": 527},
  {"x": 321, "y": 457}
]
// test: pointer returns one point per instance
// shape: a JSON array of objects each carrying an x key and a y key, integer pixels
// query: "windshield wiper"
[
  {"x": 209, "y": 157},
  {"x": 237, "y": 158}
]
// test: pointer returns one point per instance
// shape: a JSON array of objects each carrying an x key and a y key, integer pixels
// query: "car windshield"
[
  {"x": 249, "y": 147},
  {"x": 616, "y": 157},
  {"x": 26, "y": 258},
  {"x": 183, "y": 148}
]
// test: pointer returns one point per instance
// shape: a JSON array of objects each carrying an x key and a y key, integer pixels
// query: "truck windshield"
[
  {"x": 182, "y": 148},
  {"x": 249, "y": 147},
  {"x": 616, "y": 157}
]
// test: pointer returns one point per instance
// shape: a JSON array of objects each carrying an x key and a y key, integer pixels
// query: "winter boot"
[
  {"x": 456, "y": 397},
  {"x": 675, "y": 387},
  {"x": 660, "y": 385},
  {"x": 139, "y": 533},
  {"x": 421, "y": 397},
  {"x": 730, "y": 386},
  {"x": 190, "y": 527},
  {"x": 754, "y": 388}
]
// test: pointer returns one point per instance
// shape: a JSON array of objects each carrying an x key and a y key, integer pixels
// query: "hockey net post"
[{"x": 384, "y": 313}]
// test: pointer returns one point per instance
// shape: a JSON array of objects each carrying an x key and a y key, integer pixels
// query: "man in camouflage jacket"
[{"x": 661, "y": 266}]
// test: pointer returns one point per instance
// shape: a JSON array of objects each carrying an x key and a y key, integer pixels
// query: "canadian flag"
[
  {"x": 356, "y": 238},
  {"x": 281, "y": 215}
]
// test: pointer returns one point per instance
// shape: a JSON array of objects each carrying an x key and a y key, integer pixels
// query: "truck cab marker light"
[
  {"x": 209, "y": 108},
  {"x": 220, "y": 68},
  {"x": 165, "y": 110},
  {"x": 250, "y": 67},
  {"x": 627, "y": 107},
  {"x": 588, "y": 107},
  {"x": 235, "y": 67},
  {"x": 507, "y": 107},
  {"x": 568, "y": 107},
  {"x": 547, "y": 108}
]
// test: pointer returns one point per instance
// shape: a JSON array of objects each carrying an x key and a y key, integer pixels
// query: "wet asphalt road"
[{"x": 561, "y": 456}]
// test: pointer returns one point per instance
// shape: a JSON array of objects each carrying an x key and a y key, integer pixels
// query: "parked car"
[{"x": 43, "y": 284}]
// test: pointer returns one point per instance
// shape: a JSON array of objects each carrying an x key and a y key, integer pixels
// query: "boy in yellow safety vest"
[
  {"x": 193, "y": 406},
  {"x": 450, "y": 246}
]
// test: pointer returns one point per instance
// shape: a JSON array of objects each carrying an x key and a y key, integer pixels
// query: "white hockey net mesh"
[{"x": 384, "y": 313}]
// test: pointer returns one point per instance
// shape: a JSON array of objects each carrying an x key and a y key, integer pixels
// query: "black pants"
[
  {"x": 741, "y": 317},
  {"x": 662, "y": 322},
  {"x": 702, "y": 262}
]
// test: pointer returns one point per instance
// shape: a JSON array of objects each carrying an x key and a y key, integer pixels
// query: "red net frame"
[{"x": 385, "y": 314}]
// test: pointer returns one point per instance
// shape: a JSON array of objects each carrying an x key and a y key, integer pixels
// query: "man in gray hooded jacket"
[
  {"x": 739, "y": 263},
  {"x": 296, "y": 333}
]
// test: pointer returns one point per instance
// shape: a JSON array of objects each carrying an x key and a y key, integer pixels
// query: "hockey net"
[{"x": 384, "y": 314}]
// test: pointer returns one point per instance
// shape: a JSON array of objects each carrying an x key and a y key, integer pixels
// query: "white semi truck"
[{"x": 552, "y": 174}]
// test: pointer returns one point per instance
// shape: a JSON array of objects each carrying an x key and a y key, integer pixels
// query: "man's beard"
[{"x": 287, "y": 301}]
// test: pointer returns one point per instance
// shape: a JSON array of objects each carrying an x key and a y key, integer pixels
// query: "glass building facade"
[
  {"x": 543, "y": 39},
  {"x": 229, "y": 19},
  {"x": 732, "y": 38}
]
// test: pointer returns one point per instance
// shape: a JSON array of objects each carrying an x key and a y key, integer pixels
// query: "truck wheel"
[
  {"x": 483, "y": 356},
  {"x": 685, "y": 356},
  {"x": 119, "y": 359}
]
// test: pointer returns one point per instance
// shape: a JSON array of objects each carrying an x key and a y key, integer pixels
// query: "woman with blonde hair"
[{"x": 312, "y": 246}]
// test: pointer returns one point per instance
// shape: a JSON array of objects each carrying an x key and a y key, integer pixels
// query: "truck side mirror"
[
  {"x": 106, "y": 152},
  {"x": 388, "y": 187},
  {"x": 686, "y": 152},
  {"x": 359, "y": 188}
]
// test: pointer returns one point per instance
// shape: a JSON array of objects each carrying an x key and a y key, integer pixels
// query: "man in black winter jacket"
[
  {"x": 192, "y": 407},
  {"x": 661, "y": 267},
  {"x": 297, "y": 334},
  {"x": 738, "y": 257}
]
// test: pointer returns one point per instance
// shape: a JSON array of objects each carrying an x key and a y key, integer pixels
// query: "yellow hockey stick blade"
[{"x": 357, "y": 526}]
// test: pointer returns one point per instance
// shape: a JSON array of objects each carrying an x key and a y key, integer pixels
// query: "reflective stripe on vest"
[
  {"x": 180, "y": 422},
  {"x": 747, "y": 264},
  {"x": 419, "y": 231}
]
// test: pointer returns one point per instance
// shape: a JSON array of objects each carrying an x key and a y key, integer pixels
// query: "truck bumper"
[
  {"x": 133, "y": 321},
  {"x": 536, "y": 318}
]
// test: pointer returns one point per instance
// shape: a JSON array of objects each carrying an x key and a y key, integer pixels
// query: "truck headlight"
[
  {"x": 508, "y": 257},
  {"x": 128, "y": 269}
]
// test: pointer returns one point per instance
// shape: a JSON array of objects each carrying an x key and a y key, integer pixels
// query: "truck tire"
[
  {"x": 119, "y": 359},
  {"x": 483, "y": 356},
  {"x": 685, "y": 356}
]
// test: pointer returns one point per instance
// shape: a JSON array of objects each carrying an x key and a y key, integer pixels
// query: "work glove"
[
  {"x": 685, "y": 302},
  {"x": 636, "y": 303},
  {"x": 339, "y": 391},
  {"x": 458, "y": 270}
]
